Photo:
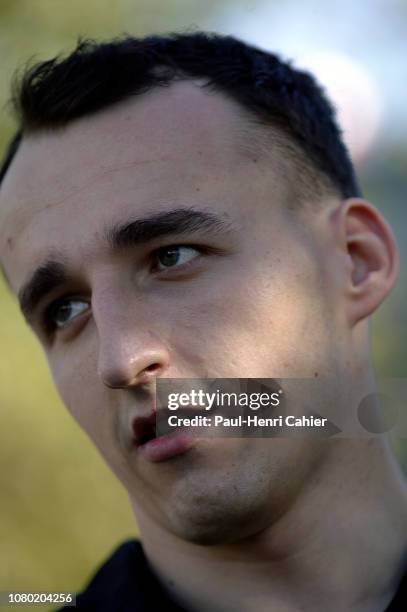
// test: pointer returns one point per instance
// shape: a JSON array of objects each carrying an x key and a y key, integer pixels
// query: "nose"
[
  {"x": 130, "y": 352},
  {"x": 129, "y": 368}
]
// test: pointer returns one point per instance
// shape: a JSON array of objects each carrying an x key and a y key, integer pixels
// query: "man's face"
[{"x": 244, "y": 296}]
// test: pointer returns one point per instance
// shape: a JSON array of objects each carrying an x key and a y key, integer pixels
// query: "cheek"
[
  {"x": 212, "y": 331},
  {"x": 79, "y": 390},
  {"x": 257, "y": 324}
]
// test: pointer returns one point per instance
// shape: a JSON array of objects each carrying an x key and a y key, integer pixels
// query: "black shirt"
[{"x": 125, "y": 583}]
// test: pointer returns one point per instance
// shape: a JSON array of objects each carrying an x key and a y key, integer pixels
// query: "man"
[{"x": 183, "y": 207}]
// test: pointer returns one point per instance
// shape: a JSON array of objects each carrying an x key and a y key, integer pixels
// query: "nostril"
[
  {"x": 152, "y": 368},
  {"x": 149, "y": 373}
]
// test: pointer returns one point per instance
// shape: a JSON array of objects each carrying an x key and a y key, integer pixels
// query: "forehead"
[{"x": 145, "y": 153}]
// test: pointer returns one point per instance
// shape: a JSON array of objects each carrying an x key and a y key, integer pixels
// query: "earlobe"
[{"x": 373, "y": 258}]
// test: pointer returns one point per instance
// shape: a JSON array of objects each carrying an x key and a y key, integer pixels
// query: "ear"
[{"x": 372, "y": 257}]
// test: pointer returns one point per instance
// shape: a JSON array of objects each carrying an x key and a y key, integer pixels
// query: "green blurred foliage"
[{"x": 61, "y": 509}]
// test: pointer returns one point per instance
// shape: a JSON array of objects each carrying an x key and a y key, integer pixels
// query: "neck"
[{"x": 340, "y": 545}]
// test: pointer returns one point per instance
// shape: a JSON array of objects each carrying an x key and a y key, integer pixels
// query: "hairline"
[{"x": 255, "y": 141}]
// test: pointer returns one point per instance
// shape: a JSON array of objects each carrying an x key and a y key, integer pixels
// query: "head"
[{"x": 184, "y": 207}]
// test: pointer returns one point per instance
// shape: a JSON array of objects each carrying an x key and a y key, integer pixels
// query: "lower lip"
[{"x": 167, "y": 446}]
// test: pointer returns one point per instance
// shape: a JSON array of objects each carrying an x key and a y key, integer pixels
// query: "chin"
[
  {"x": 216, "y": 528},
  {"x": 220, "y": 514}
]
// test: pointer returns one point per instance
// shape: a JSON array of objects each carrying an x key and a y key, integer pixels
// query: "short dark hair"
[{"x": 96, "y": 75}]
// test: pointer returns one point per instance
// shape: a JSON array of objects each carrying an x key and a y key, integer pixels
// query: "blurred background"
[{"x": 61, "y": 511}]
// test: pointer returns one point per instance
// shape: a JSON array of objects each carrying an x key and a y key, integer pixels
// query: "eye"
[
  {"x": 62, "y": 312},
  {"x": 174, "y": 256}
]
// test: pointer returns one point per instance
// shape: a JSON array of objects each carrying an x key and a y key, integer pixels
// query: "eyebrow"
[
  {"x": 52, "y": 273},
  {"x": 48, "y": 276},
  {"x": 181, "y": 220}
]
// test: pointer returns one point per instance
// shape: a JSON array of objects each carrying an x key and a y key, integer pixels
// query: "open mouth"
[
  {"x": 155, "y": 425},
  {"x": 144, "y": 429},
  {"x": 156, "y": 440}
]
